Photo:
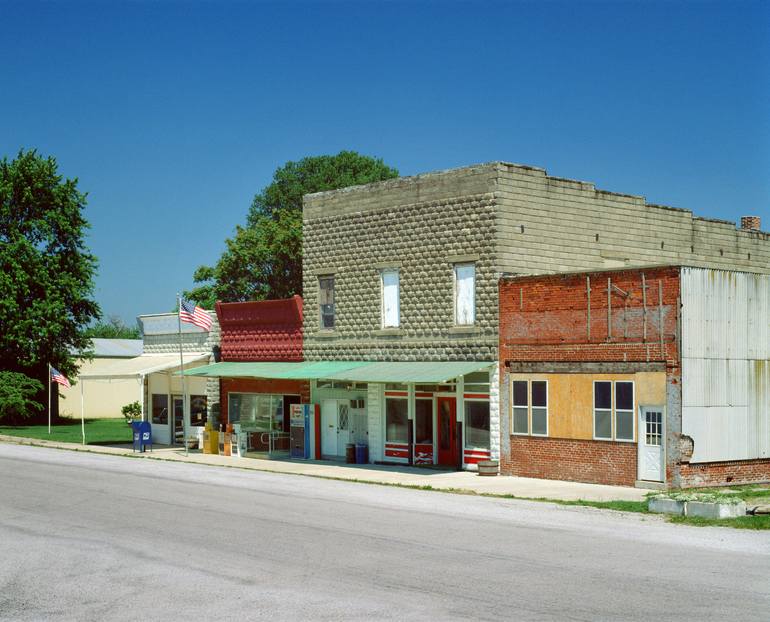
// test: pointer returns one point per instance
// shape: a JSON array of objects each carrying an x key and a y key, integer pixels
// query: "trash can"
[
  {"x": 362, "y": 453},
  {"x": 350, "y": 453}
]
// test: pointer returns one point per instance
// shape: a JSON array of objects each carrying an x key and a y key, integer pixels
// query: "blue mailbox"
[{"x": 142, "y": 434}]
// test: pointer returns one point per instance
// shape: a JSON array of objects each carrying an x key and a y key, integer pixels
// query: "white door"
[
  {"x": 651, "y": 444},
  {"x": 329, "y": 428},
  {"x": 343, "y": 426}
]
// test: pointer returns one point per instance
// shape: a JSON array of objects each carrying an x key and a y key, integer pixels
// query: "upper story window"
[
  {"x": 391, "y": 313},
  {"x": 326, "y": 301},
  {"x": 465, "y": 294}
]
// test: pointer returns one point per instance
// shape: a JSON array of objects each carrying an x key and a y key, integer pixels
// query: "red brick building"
[
  {"x": 262, "y": 331},
  {"x": 592, "y": 378}
]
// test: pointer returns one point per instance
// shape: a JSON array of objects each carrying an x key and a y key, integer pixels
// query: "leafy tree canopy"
[
  {"x": 113, "y": 328},
  {"x": 17, "y": 393},
  {"x": 46, "y": 271},
  {"x": 264, "y": 258}
]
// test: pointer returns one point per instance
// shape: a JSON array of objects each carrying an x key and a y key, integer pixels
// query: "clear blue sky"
[{"x": 173, "y": 115}]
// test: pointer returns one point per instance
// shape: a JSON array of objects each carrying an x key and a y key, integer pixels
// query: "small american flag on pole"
[
  {"x": 193, "y": 314},
  {"x": 57, "y": 376}
]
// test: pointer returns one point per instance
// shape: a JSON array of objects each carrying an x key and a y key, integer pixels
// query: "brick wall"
[
  {"x": 597, "y": 462},
  {"x": 721, "y": 473},
  {"x": 546, "y": 319}
]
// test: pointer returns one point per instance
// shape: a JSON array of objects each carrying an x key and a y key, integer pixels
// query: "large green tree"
[
  {"x": 264, "y": 258},
  {"x": 46, "y": 271}
]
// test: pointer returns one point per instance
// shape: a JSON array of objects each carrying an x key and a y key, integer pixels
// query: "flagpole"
[
  {"x": 49, "y": 398},
  {"x": 181, "y": 374},
  {"x": 82, "y": 412}
]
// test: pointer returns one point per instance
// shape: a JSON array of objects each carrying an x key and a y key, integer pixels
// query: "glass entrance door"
[
  {"x": 177, "y": 403},
  {"x": 447, "y": 431}
]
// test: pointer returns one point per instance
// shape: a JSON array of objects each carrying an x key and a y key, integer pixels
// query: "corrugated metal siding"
[{"x": 726, "y": 364}]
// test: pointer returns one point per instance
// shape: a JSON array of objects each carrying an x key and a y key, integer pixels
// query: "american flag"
[
  {"x": 193, "y": 314},
  {"x": 57, "y": 376}
]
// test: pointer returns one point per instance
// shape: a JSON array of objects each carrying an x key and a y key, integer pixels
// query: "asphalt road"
[{"x": 92, "y": 537}]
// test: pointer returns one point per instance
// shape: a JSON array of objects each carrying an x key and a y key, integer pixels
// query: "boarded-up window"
[
  {"x": 326, "y": 301},
  {"x": 390, "y": 299},
  {"x": 465, "y": 294}
]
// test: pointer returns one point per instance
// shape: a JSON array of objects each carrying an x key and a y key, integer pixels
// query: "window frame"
[
  {"x": 529, "y": 407},
  {"x": 514, "y": 406},
  {"x": 383, "y": 320},
  {"x": 455, "y": 268},
  {"x": 152, "y": 408},
  {"x": 466, "y": 446},
  {"x": 532, "y": 407},
  {"x": 404, "y": 399},
  {"x": 613, "y": 412},
  {"x": 432, "y": 403},
  {"x": 594, "y": 409},
  {"x": 205, "y": 411},
  {"x": 321, "y": 278},
  {"x": 632, "y": 411}
]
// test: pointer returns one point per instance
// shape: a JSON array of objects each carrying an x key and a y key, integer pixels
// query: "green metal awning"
[
  {"x": 419, "y": 372},
  {"x": 423, "y": 372},
  {"x": 278, "y": 371}
]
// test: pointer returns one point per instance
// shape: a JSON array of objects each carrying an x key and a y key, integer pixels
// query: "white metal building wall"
[{"x": 726, "y": 364}]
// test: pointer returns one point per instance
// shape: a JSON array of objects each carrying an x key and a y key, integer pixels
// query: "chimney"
[{"x": 750, "y": 223}]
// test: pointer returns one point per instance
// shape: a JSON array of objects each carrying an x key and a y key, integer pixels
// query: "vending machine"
[{"x": 299, "y": 430}]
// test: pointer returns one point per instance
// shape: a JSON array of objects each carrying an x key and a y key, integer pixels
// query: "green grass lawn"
[{"x": 98, "y": 431}]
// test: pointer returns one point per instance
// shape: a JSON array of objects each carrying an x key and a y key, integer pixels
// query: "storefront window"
[
  {"x": 256, "y": 412},
  {"x": 396, "y": 421},
  {"x": 477, "y": 424},
  {"x": 477, "y": 382},
  {"x": 423, "y": 412},
  {"x": 198, "y": 410},
  {"x": 160, "y": 409}
]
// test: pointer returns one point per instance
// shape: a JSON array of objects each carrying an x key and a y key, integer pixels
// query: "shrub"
[
  {"x": 132, "y": 411},
  {"x": 16, "y": 396}
]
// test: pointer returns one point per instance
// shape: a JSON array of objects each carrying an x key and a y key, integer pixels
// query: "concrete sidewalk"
[{"x": 522, "y": 487}]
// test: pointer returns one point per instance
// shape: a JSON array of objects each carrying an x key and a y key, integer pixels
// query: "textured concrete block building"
[{"x": 407, "y": 270}]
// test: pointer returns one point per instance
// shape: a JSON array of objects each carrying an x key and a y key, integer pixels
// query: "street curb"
[{"x": 77, "y": 447}]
